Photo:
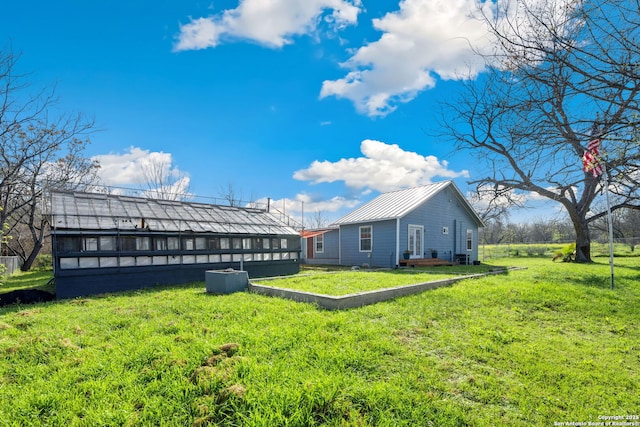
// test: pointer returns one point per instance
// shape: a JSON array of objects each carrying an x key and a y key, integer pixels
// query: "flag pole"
[
  {"x": 593, "y": 164},
  {"x": 609, "y": 219}
]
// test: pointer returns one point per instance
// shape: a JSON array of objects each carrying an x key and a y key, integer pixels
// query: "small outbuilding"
[
  {"x": 321, "y": 246},
  {"x": 428, "y": 222},
  {"x": 106, "y": 243}
]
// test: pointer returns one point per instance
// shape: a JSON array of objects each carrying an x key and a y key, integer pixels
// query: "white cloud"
[
  {"x": 271, "y": 23},
  {"x": 429, "y": 39},
  {"x": 128, "y": 169},
  {"x": 306, "y": 208},
  {"x": 333, "y": 204},
  {"x": 383, "y": 168},
  {"x": 304, "y": 202},
  {"x": 422, "y": 40}
]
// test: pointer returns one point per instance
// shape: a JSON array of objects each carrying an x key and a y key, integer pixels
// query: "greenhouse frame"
[{"x": 107, "y": 243}]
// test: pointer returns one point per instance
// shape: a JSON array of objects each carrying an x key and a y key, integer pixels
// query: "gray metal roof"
[
  {"x": 397, "y": 204},
  {"x": 92, "y": 211}
]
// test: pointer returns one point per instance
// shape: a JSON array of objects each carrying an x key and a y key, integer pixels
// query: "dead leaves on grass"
[{"x": 214, "y": 377}]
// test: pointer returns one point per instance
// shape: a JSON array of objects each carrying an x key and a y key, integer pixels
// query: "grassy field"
[
  {"x": 548, "y": 344},
  {"x": 598, "y": 250}
]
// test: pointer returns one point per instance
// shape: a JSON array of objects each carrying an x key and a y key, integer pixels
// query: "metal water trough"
[{"x": 226, "y": 281}]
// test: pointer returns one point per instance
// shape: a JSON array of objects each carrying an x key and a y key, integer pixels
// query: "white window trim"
[
  {"x": 469, "y": 239},
  {"x": 420, "y": 229},
  {"x": 370, "y": 227},
  {"x": 315, "y": 243}
]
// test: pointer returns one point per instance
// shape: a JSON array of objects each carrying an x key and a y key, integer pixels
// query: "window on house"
[
  {"x": 224, "y": 243},
  {"x": 469, "y": 240},
  {"x": 68, "y": 244},
  {"x": 127, "y": 261},
  {"x": 88, "y": 262},
  {"x": 143, "y": 260},
  {"x": 107, "y": 243},
  {"x": 143, "y": 243},
  {"x": 90, "y": 244},
  {"x": 366, "y": 240},
  {"x": 213, "y": 243},
  {"x": 66, "y": 263},
  {"x": 131, "y": 243},
  {"x": 127, "y": 243},
  {"x": 173, "y": 243},
  {"x": 201, "y": 243},
  {"x": 257, "y": 243},
  {"x": 159, "y": 260},
  {"x": 188, "y": 244},
  {"x": 246, "y": 243},
  {"x": 110, "y": 261},
  {"x": 160, "y": 244},
  {"x": 237, "y": 243},
  {"x": 319, "y": 243}
]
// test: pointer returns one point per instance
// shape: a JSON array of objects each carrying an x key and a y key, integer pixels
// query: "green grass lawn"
[
  {"x": 30, "y": 279},
  {"x": 339, "y": 283},
  {"x": 548, "y": 344}
]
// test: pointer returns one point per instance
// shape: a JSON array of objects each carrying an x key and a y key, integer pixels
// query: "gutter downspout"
[
  {"x": 397, "y": 241},
  {"x": 339, "y": 245},
  {"x": 455, "y": 241}
]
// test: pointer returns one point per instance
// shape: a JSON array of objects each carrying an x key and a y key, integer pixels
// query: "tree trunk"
[
  {"x": 28, "y": 262},
  {"x": 37, "y": 235},
  {"x": 583, "y": 241}
]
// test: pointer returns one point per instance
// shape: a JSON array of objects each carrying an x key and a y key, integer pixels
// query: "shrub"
[
  {"x": 538, "y": 250},
  {"x": 44, "y": 262},
  {"x": 567, "y": 253}
]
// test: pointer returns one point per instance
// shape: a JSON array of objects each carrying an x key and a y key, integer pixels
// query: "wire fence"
[{"x": 621, "y": 247}]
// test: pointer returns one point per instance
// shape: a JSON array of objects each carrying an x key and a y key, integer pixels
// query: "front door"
[{"x": 416, "y": 241}]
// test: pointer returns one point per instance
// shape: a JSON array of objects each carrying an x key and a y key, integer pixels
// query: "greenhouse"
[{"x": 106, "y": 243}]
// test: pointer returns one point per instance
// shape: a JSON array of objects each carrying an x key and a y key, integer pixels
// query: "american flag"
[{"x": 591, "y": 158}]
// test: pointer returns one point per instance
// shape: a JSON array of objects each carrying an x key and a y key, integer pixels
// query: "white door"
[{"x": 416, "y": 241}]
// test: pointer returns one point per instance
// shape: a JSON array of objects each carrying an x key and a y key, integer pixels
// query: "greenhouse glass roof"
[{"x": 93, "y": 211}]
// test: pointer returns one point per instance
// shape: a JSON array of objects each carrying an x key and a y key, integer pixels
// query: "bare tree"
[
  {"x": 318, "y": 220},
  {"x": 38, "y": 149},
  {"x": 558, "y": 67},
  {"x": 162, "y": 181},
  {"x": 492, "y": 203},
  {"x": 230, "y": 194},
  {"x": 233, "y": 196}
]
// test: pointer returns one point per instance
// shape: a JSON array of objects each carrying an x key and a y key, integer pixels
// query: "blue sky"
[{"x": 326, "y": 102}]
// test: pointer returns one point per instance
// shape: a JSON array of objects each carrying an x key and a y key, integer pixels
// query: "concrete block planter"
[{"x": 226, "y": 281}]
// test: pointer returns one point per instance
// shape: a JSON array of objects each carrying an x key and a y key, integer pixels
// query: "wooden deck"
[{"x": 423, "y": 262}]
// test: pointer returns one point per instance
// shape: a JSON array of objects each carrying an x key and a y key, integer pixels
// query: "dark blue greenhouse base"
[{"x": 83, "y": 282}]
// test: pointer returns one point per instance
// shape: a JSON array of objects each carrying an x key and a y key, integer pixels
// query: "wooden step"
[{"x": 423, "y": 262}]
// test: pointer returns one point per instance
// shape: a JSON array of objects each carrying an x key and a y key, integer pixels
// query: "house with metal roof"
[
  {"x": 430, "y": 221},
  {"x": 105, "y": 243}
]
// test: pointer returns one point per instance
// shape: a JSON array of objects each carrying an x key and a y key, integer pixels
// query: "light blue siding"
[
  {"x": 443, "y": 210},
  {"x": 331, "y": 248},
  {"x": 383, "y": 244}
]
